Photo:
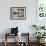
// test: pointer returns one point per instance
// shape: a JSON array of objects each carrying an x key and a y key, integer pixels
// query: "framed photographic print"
[{"x": 18, "y": 13}]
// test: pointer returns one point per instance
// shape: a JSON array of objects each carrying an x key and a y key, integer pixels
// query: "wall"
[{"x": 24, "y": 25}]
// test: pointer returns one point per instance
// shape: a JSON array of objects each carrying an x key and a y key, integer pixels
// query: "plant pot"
[{"x": 40, "y": 40}]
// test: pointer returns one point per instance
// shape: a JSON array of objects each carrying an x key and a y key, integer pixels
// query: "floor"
[{"x": 13, "y": 44}]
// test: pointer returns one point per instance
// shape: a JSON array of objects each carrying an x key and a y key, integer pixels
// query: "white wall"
[{"x": 24, "y": 25}]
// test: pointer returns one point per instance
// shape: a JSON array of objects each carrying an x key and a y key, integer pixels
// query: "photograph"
[{"x": 18, "y": 13}]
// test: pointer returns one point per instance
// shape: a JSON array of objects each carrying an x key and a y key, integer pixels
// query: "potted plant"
[
  {"x": 38, "y": 27},
  {"x": 39, "y": 35}
]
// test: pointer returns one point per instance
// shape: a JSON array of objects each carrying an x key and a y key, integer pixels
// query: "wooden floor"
[{"x": 13, "y": 44}]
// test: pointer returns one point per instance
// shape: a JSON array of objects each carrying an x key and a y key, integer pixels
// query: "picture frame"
[{"x": 18, "y": 13}]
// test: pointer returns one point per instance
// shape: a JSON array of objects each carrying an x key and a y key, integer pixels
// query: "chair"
[
  {"x": 7, "y": 35},
  {"x": 14, "y": 32},
  {"x": 26, "y": 41}
]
